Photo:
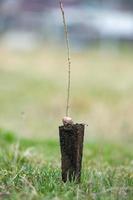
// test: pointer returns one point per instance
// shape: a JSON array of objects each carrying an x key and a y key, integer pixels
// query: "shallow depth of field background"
[{"x": 33, "y": 67}]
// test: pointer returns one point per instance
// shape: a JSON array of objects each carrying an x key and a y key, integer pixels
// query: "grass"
[
  {"x": 33, "y": 91},
  {"x": 30, "y": 169},
  {"x": 32, "y": 104}
]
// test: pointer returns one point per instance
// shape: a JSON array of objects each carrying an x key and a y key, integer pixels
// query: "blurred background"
[{"x": 33, "y": 67}]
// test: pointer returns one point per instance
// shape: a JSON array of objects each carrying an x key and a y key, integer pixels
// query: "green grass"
[
  {"x": 32, "y": 104},
  {"x": 30, "y": 169}
]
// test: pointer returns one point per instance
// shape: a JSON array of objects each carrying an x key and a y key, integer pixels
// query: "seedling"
[{"x": 71, "y": 135}]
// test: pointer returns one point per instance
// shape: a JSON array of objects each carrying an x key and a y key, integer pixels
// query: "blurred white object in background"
[{"x": 20, "y": 40}]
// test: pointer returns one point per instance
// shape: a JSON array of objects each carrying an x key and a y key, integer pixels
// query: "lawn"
[
  {"x": 33, "y": 92},
  {"x": 30, "y": 169},
  {"x": 32, "y": 104}
]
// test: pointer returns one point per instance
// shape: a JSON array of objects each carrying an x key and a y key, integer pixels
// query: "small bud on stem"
[{"x": 67, "y": 121}]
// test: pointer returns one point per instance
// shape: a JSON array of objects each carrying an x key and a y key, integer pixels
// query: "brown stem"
[{"x": 68, "y": 58}]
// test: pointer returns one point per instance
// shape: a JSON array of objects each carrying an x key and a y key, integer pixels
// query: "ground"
[
  {"x": 30, "y": 169},
  {"x": 32, "y": 104},
  {"x": 33, "y": 91}
]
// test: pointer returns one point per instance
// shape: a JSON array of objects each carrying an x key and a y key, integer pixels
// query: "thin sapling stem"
[{"x": 68, "y": 59}]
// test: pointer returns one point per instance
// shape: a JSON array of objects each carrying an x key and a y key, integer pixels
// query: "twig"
[{"x": 68, "y": 58}]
